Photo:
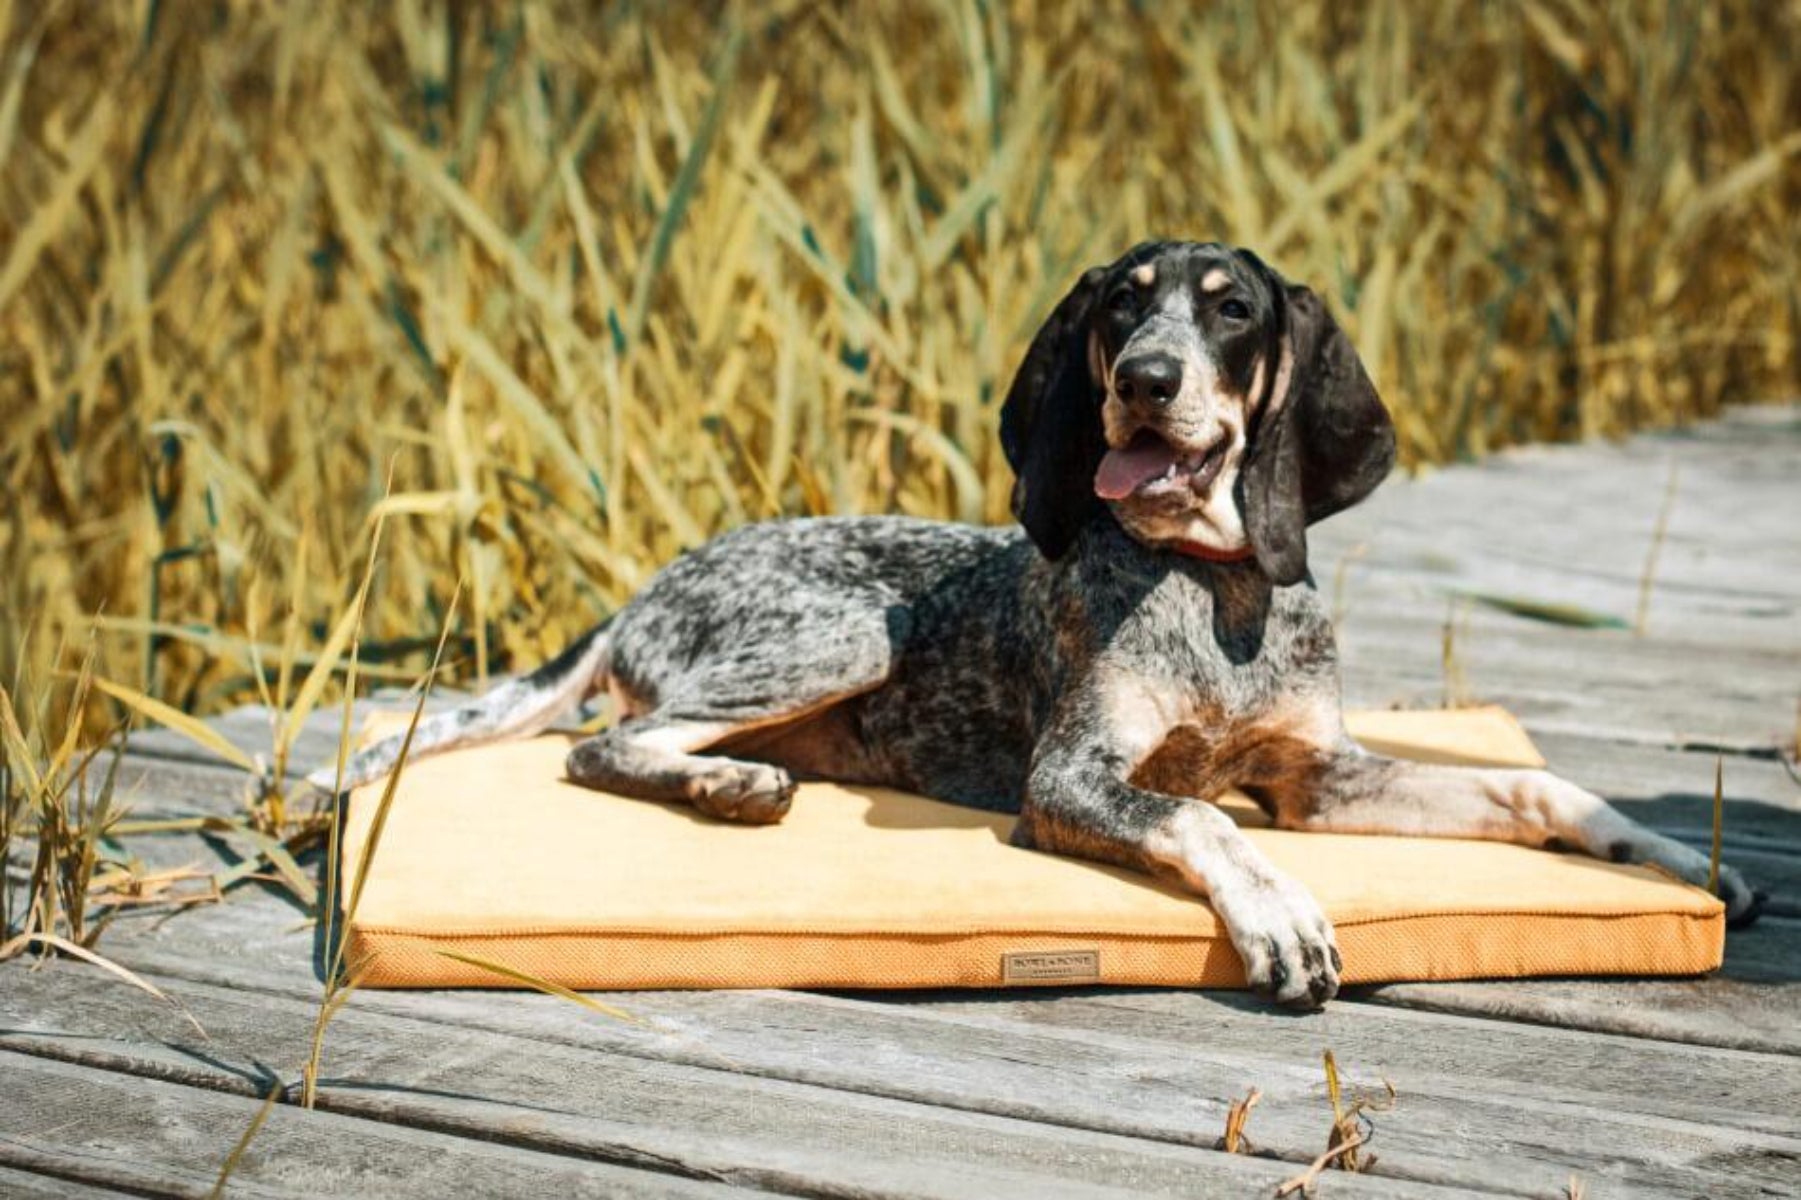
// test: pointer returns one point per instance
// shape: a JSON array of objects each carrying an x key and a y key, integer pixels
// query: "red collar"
[{"x": 1209, "y": 554}]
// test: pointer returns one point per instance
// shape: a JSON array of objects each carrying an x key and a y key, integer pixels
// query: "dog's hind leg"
[
  {"x": 654, "y": 758},
  {"x": 657, "y": 756},
  {"x": 688, "y": 713}
]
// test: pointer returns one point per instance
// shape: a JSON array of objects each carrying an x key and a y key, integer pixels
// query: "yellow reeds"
[{"x": 600, "y": 282}]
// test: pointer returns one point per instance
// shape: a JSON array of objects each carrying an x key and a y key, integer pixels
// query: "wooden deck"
[{"x": 1689, "y": 1087}]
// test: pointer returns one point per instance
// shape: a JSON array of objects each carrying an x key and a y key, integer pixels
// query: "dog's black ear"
[
  {"x": 1051, "y": 426},
  {"x": 1322, "y": 441}
]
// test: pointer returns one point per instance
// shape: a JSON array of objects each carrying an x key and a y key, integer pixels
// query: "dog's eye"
[
  {"x": 1235, "y": 310},
  {"x": 1123, "y": 301}
]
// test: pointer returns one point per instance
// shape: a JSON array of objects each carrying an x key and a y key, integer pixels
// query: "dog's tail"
[{"x": 517, "y": 708}]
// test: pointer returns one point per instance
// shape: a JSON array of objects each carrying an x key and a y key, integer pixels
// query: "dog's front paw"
[
  {"x": 1289, "y": 952},
  {"x": 1743, "y": 902},
  {"x": 753, "y": 793}
]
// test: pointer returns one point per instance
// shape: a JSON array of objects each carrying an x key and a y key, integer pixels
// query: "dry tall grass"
[{"x": 600, "y": 280}]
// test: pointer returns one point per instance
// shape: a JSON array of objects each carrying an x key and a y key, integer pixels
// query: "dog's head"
[{"x": 1207, "y": 403}]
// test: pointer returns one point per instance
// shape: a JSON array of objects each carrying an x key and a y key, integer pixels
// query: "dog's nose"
[{"x": 1148, "y": 379}]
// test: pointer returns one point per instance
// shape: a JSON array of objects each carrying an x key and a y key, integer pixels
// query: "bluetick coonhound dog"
[{"x": 1149, "y": 638}]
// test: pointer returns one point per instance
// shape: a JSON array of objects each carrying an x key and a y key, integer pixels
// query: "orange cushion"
[{"x": 489, "y": 853}]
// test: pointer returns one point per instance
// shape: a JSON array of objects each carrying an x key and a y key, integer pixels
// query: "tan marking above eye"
[
  {"x": 1216, "y": 280},
  {"x": 1144, "y": 276}
]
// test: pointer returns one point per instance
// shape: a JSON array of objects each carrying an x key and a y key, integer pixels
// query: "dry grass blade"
[
  {"x": 192, "y": 728},
  {"x": 274, "y": 851},
  {"x": 1719, "y": 823},
  {"x": 28, "y": 243},
  {"x": 531, "y": 411},
  {"x": 314, "y": 684},
  {"x": 1305, "y": 1181},
  {"x": 168, "y": 825},
  {"x": 227, "y": 648},
  {"x": 47, "y": 789},
  {"x": 20, "y": 755},
  {"x": 337, "y": 989},
  {"x": 1752, "y": 173},
  {"x": 14, "y": 92},
  {"x": 392, "y": 783},
  {"x": 52, "y": 941},
  {"x": 681, "y": 191},
  {"x": 1456, "y": 682},
  {"x": 1551, "y": 612},
  {"x": 335, "y": 824},
  {"x": 1344, "y": 1125},
  {"x": 243, "y": 1143},
  {"x": 538, "y": 984},
  {"x": 1642, "y": 618},
  {"x": 969, "y": 490},
  {"x": 1346, "y": 167},
  {"x": 1244, "y": 213},
  {"x": 130, "y": 888},
  {"x": 1350, "y": 1128},
  {"x": 524, "y": 276},
  {"x": 1234, "y": 1141}
]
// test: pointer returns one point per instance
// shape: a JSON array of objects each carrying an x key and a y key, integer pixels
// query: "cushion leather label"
[{"x": 1051, "y": 966}]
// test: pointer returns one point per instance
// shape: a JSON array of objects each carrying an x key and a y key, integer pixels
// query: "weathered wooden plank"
[
  {"x": 140, "y": 1135},
  {"x": 1174, "y": 1089},
  {"x": 1750, "y": 1004},
  {"x": 1763, "y": 800},
  {"x": 1422, "y": 600},
  {"x": 250, "y": 730},
  {"x": 154, "y": 787},
  {"x": 26, "y": 1185},
  {"x": 713, "y": 1123},
  {"x": 1488, "y": 540},
  {"x": 1574, "y": 524},
  {"x": 1585, "y": 681},
  {"x": 1729, "y": 494},
  {"x": 452, "y": 1056},
  {"x": 1418, "y": 580},
  {"x": 1416, "y": 1050}
]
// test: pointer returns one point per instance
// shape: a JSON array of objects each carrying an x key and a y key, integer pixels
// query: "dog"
[{"x": 1148, "y": 637}]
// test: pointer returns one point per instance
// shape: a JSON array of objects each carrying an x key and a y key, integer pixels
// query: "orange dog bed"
[{"x": 489, "y": 853}]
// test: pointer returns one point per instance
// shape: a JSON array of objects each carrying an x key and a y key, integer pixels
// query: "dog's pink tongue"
[{"x": 1123, "y": 471}]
